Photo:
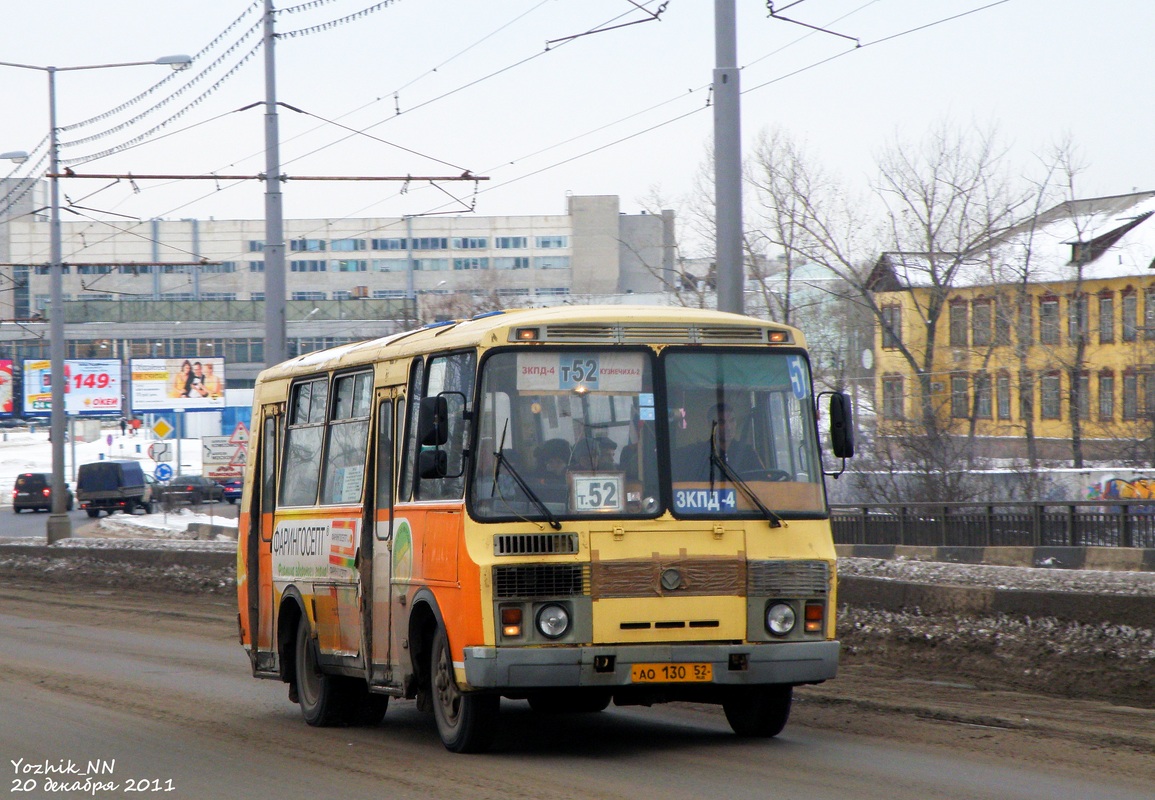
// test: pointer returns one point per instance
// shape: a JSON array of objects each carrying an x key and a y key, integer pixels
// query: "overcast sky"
[{"x": 621, "y": 112}]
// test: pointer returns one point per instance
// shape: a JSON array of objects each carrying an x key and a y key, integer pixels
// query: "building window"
[
  {"x": 260, "y": 296},
  {"x": 1049, "y": 320},
  {"x": 307, "y": 245},
  {"x": 892, "y": 398},
  {"x": 1077, "y": 323},
  {"x": 983, "y": 395},
  {"x": 256, "y": 266},
  {"x": 219, "y": 268},
  {"x": 1106, "y": 396},
  {"x": 511, "y": 242},
  {"x": 511, "y": 262},
  {"x": 1130, "y": 315},
  {"x": 1003, "y": 395},
  {"x": 1002, "y": 323},
  {"x": 552, "y": 242},
  {"x": 389, "y": 294},
  {"x": 470, "y": 243},
  {"x": 551, "y": 262},
  {"x": 891, "y": 327},
  {"x": 389, "y": 244},
  {"x": 347, "y": 245},
  {"x": 390, "y": 264},
  {"x": 1106, "y": 318},
  {"x": 1130, "y": 395},
  {"x": 1026, "y": 395},
  {"x": 308, "y": 266},
  {"x": 94, "y": 269},
  {"x": 1051, "y": 394},
  {"x": 350, "y": 265},
  {"x": 470, "y": 263},
  {"x": 982, "y": 318},
  {"x": 256, "y": 246},
  {"x": 431, "y": 243},
  {"x": 551, "y": 291},
  {"x": 1149, "y": 315},
  {"x": 1082, "y": 385},
  {"x": 958, "y": 323},
  {"x": 218, "y": 295},
  {"x": 431, "y": 264},
  {"x": 1026, "y": 329},
  {"x": 1149, "y": 395},
  {"x": 309, "y": 296},
  {"x": 959, "y": 397}
]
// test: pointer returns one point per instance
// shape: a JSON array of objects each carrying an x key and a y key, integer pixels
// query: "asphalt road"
[{"x": 155, "y": 689}]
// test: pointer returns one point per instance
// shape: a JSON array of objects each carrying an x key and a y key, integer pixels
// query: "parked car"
[
  {"x": 34, "y": 490},
  {"x": 192, "y": 489},
  {"x": 232, "y": 488},
  {"x": 113, "y": 486}
]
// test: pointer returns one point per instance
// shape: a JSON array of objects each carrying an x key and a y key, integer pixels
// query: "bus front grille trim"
[
  {"x": 787, "y": 579},
  {"x": 535, "y": 544},
  {"x": 541, "y": 580}
]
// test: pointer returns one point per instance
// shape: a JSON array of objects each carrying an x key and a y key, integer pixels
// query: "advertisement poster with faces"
[
  {"x": 164, "y": 384},
  {"x": 91, "y": 387}
]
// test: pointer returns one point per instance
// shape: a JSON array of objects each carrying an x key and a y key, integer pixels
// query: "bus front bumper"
[{"x": 732, "y": 665}]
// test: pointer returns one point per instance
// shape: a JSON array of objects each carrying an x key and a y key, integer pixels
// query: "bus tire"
[
  {"x": 324, "y": 699},
  {"x": 466, "y": 721},
  {"x": 760, "y": 711}
]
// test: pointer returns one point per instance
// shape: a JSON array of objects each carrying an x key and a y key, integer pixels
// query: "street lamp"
[{"x": 59, "y": 525}]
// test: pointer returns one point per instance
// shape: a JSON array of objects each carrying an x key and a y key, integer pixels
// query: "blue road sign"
[{"x": 162, "y": 472}]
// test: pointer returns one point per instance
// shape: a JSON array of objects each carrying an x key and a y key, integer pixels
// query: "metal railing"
[
  {"x": 1119, "y": 523},
  {"x": 80, "y": 311}
]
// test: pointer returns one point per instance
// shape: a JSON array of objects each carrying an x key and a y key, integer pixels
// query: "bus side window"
[
  {"x": 384, "y": 463},
  {"x": 301, "y": 466},
  {"x": 409, "y": 456},
  {"x": 453, "y": 376}
]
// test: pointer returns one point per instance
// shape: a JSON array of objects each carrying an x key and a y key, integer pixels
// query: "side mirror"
[
  {"x": 841, "y": 425},
  {"x": 433, "y": 422}
]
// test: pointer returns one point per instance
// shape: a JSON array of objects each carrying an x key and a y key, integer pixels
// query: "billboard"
[
  {"x": 5, "y": 387},
  {"x": 166, "y": 384},
  {"x": 91, "y": 386}
]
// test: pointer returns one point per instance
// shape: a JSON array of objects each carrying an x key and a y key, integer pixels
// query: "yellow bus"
[{"x": 569, "y": 506}]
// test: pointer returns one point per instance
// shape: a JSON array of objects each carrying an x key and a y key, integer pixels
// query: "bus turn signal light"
[
  {"x": 526, "y": 334},
  {"x": 511, "y": 621},
  {"x": 815, "y": 612}
]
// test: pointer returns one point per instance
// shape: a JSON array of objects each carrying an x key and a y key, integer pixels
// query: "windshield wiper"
[
  {"x": 499, "y": 460},
  {"x": 717, "y": 460}
]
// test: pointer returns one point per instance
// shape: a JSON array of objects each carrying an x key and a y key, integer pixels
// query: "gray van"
[{"x": 113, "y": 486}]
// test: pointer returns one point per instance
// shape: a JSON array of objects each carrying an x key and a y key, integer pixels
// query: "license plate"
[{"x": 672, "y": 673}]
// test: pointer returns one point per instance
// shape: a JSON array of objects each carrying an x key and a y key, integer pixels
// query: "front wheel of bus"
[
  {"x": 759, "y": 712},
  {"x": 466, "y": 721}
]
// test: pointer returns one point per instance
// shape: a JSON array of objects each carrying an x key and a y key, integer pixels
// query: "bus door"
[
  {"x": 262, "y": 508},
  {"x": 377, "y": 544}
]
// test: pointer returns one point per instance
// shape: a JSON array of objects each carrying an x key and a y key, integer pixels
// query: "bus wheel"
[
  {"x": 324, "y": 699},
  {"x": 466, "y": 721},
  {"x": 760, "y": 711}
]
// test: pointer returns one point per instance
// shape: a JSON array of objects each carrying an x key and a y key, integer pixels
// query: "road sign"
[
  {"x": 162, "y": 428},
  {"x": 160, "y": 451},
  {"x": 222, "y": 456},
  {"x": 240, "y": 434},
  {"x": 162, "y": 472}
]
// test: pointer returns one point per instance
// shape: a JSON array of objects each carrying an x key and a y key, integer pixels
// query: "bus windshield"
[{"x": 582, "y": 433}]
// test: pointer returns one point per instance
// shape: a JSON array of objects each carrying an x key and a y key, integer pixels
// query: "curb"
[
  {"x": 1122, "y": 559},
  {"x": 163, "y": 558},
  {"x": 1087, "y": 609}
]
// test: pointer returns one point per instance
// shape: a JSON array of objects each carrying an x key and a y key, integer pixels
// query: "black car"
[
  {"x": 34, "y": 490},
  {"x": 192, "y": 489}
]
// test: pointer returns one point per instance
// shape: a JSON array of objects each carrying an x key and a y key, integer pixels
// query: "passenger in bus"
[
  {"x": 550, "y": 482},
  {"x": 594, "y": 453},
  {"x": 640, "y": 457}
]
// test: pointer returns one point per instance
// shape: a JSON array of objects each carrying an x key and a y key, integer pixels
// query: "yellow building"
[{"x": 1048, "y": 333}]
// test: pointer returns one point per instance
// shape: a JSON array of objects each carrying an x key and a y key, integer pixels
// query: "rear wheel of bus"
[
  {"x": 466, "y": 721},
  {"x": 760, "y": 711},
  {"x": 332, "y": 699}
]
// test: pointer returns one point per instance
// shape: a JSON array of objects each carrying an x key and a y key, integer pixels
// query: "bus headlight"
[
  {"x": 780, "y": 619},
  {"x": 552, "y": 621}
]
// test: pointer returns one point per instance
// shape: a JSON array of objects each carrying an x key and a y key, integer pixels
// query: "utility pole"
[
  {"x": 730, "y": 274},
  {"x": 276, "y": 344}
]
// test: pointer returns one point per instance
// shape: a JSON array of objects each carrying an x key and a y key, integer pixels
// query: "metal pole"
[
  {"x": 276, "y": 344},
  {"x": 730, "y": 275},
  {"x": 410, "y": 291},
  {"x": 59, "y": 525}
]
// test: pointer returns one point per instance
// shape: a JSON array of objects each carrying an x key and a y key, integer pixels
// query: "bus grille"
[
  {"x": 541, "y": 580},
  {"x": 659, "y": 332},
  {"x": 535, "y": 544},
  {"x": 787, "y": 579}
]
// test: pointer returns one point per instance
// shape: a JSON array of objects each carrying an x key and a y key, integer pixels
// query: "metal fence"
[{"x": 1047, "y": 524}]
